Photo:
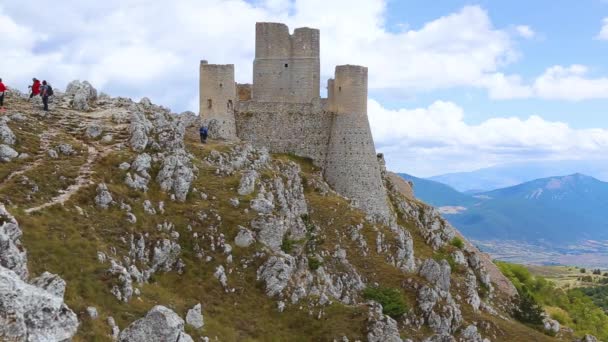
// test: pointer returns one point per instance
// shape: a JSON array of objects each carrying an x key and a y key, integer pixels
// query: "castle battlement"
[{"x": 283, "y": 110}]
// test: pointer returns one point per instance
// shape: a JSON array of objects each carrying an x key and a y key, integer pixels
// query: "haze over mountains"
[
  {"x": 555, "y": 211},
  {"x": 506, "y": 175}
]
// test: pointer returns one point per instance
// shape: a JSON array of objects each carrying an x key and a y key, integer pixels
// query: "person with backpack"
[
  {"x": 35, "y": 87},
  {"x": 2, "y": 91},
  {"x": 204, "y": 132},
  {"x": 45, "y": 91}
]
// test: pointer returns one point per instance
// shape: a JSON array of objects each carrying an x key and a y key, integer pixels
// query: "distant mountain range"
[
  {"x": 516, "y": 173},
  {"x": 556, "y": 211}
]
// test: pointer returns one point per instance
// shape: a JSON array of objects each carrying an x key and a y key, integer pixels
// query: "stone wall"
[
  {"x": 286, "y": 67},
  {"x": 299, "y": 128},
  {"x": 217, "y": 99},
  {"x": 351, "y": 166}
]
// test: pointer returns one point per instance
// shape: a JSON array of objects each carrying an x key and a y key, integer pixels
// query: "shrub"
[
  {"x": 583, "y": 270},
  {"x": 288, "y": 244},
  {"x": 528, "y": 310},
  {"x": 457, "y": 242},
  {"x": 314, "y": 263},
  {"x": 391, "y": 300}
]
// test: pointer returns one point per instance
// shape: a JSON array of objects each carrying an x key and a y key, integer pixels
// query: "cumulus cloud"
[
  {"x": 525, "y": 31},
  {"x": 147, "y": 48},
  {"x": 570, "y": 83},
  {"x": 436, "y": 139},
  {"x": 603, "y": 34}
]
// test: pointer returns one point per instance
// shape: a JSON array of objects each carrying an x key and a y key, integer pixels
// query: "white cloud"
[
  {"x": 603, "y": 34},
  {"x": 525, "y": 31},
  {"x": 436, "y": 139},
  {"x": 569, "y": 83},
  {"x": 146, "y": 48}
]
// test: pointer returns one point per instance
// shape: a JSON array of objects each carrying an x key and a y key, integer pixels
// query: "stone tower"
[
  {"x": 217, "y": 99},
  {"x": 286, "y": 67},
  {"x": 351, "y": 166}
]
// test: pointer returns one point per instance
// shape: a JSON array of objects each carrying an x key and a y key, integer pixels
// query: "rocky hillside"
[{"x": 117, "y": 224}]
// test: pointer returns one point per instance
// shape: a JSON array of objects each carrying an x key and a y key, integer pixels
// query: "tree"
[{"x": 528, "y": 310}]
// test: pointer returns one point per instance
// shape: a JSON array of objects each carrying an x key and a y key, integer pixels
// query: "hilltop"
[{"x": 117, "y": 224}]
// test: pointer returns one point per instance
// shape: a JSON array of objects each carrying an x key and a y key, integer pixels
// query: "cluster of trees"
[
  {"x": 598, "y": 294},
  {"x": 578, "y": 311}
]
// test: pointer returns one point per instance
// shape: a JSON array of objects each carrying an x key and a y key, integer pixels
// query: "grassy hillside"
[{"x": 65, "y": 230}]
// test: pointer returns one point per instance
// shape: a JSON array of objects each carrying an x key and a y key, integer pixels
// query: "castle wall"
[
  {"x": 351, "y": 166},
  {"x": 299, "y": 128},
  {"x": 217, "y": 99},
  {"x": 286, "y": 67}
]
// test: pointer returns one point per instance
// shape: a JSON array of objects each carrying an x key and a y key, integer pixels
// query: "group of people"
[{"x": 42, "y": 89}]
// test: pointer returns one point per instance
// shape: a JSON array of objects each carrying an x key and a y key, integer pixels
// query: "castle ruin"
[{"x": 283, "y": 111}]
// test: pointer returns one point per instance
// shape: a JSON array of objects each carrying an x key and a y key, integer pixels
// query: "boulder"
[
  {"x": 195, "y": 317},
  {"x": 7, "y": 153},
  {"x": 159, "y": 325},
  {"x": 30, "y": 313},
  {"x": 103, "y": 198},
  {"x": 244, "y": 238}
]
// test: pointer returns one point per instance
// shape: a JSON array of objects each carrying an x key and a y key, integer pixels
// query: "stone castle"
[{"x": 283, "y": 111}]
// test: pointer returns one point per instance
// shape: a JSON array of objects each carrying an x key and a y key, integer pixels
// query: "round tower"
[
  {"x": 351, "y": 166},
  {"x": 217, "y": 100}
]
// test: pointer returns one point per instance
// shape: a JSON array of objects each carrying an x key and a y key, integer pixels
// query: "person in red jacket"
[
  {"x": 2, "y": 91},
  {"x": 35, "y": 88}
]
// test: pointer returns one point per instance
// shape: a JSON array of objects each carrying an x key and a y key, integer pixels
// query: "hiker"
[
  {"x": 35, "y": 87},
  {"x": 2, "y": 91},
  {"x": 45, "y": 91},
  {"x": 204, "y": 132}
]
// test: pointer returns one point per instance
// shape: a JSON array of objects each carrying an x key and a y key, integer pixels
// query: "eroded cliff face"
[{"x": 150, "y": 235}]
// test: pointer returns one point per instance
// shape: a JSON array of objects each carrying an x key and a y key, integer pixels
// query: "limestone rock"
[
  {"x": 12, "y": 254},
  {"x": 81, "y": 94},
  {"x": 551, "y": 325},
  {"x": 220, "y": 275},
  {"x": 262, "y": 205},
  {"x": 103, "y": 198},
  {"x": 159, "y": 325},
  {"x": 7, "y": 153},
  {"x": 65, "y": 149},
  {"x": 380, "y": 327},
  {"x": 92, "y": 312},
  {"x": 93, "y": 131},
  {"x": 247, "y": 182},
  {"x": 436, "y": 274},
  {"x": 31, "y": 313},
  {"x": 6, "y": 134},
  {"x": 472, "y": 296},
  {"x": 52, "y": 283},
  {"x": 139, "y": 128},
  {"x": 195, "y": 317},
  {"x": 149, "y": 208},
  {"x": 176, "y": 174},
  {"x": 470, "y": 334},
  {"x": 276, "y": 272},
  {"x": 244, "y": 238},
  {"x": 52, "y": 154}
]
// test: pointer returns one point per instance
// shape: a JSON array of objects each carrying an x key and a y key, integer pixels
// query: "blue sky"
[{"x": 454, "y": 85}]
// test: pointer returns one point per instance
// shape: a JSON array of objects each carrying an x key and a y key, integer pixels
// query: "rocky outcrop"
[
  {"x": 276, "y": 273},
  {"x": 380, "y": 327},
  {"x": 12, "y": 254},
  {"x": 176, "y": 174},
  {"x": 31, "y": 313},
  {"x": 80, "y": 95},
  {"x": 159, "y": 325}
]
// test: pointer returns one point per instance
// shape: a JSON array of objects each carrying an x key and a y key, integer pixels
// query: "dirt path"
[
  {"x": 45, "y": 143},
  {"x": 83, "y": 179}
]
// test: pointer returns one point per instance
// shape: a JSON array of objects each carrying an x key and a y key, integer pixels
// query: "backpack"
[{"x": 49, "y": 90}]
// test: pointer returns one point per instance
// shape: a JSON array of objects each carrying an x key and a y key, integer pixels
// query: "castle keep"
[{"x": 283, "y": 111}]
